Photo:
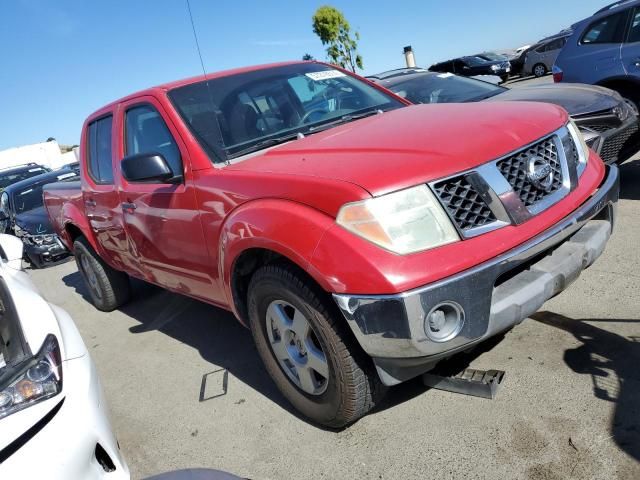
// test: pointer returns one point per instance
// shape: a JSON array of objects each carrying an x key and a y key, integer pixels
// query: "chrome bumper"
[{"x": 495, "y": 295}]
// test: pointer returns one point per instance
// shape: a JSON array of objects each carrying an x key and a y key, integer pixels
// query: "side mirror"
[
  {"x": 147, "y": 168},
  {"x": 11, "y": 250}
]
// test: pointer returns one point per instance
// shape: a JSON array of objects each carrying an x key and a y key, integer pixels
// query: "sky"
[{"x": 63, "y": 59}]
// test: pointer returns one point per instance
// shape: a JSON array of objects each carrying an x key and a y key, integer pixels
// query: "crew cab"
[{"x": 361, "y": 239}]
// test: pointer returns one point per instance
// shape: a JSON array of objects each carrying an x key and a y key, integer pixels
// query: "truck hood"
[
  {"x": 410, "y": 145},
  {"x": 575, "y": 98}
]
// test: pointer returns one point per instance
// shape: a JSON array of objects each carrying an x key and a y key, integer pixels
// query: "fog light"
[{"x": 444, "y": 321}]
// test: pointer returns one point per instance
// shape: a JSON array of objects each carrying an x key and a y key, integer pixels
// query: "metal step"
[{"x": 479, "y": 383}]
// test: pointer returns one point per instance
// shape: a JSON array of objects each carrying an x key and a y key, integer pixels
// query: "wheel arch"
[
  {"x": 263, "y": 232},
  {"x": 75, "y": 225}
]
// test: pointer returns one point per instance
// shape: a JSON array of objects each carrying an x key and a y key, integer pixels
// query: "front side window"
[
  {"x": 146, "y": 132},
  {"x": 99, "y": 150},
  {"x": 237, "y": 114},
  {"x": 606, "y": 30},
  {"x": 634, "y": 29}
]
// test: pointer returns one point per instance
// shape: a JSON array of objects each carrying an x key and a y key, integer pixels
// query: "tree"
[
  {"x": 334, "y": 31},
  {"x": 307, "y": 56}
]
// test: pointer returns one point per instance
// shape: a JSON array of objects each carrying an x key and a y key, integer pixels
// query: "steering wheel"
[{"x": 306, "y": 116}]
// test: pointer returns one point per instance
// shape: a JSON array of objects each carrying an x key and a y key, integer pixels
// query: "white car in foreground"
[{"x": 53, "y": 416}]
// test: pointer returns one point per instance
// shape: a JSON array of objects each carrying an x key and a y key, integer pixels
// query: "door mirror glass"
[{"x": 147, "y": 168}]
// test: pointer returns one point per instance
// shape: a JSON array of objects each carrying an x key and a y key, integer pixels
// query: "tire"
[
  {"x": 539, "y": 70},
  {"x": 108, "y": 288},
  {"x": 351, "y": 387}
]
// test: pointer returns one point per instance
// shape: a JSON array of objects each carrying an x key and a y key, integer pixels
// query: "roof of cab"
[{"x": 198, "y": 78}]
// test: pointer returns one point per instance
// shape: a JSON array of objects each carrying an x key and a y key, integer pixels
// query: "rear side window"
[
  {"x": 99, "y": 150},
  {"x": 146, "y": 132},
  {"x": 606, "y": 30}
]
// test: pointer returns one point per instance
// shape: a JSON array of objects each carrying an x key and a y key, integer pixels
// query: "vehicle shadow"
[
  {"x": 612, "y": 361},
  {"x": 630, "y": 180}
]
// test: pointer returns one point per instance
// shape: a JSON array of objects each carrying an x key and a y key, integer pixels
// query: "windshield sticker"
[
  {"x": 26, "y": 192},
  {"x": 445, "y": 75},
  {"x": 66, "y": 175},
  {"x": 35, "y": 170},
  {"x": 324, "y": 75}
]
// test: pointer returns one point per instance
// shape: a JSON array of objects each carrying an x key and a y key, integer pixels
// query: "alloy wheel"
[
  {"x": 90, "y": 276},
  {"x": 296, "y": 347}
]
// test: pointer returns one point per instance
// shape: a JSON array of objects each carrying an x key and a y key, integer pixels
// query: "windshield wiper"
[
  {"x": 268, "y": 143},
  {"x": 344, "y": 119}
]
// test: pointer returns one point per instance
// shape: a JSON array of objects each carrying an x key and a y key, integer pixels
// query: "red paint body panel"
[
  {"x": 187, "y": 237},
  {"x": 362, "y": 267}
]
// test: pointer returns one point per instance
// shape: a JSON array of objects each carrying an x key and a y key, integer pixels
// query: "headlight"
[
  {"x": 404, "y": 222},
  {"x": 581, "y": 146},
  {"x": 495, "y": 68},
  {"x": 36, "y": 380}
]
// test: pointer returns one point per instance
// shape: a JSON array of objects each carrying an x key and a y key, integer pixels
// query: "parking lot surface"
[{"x": 569, "y": 406}]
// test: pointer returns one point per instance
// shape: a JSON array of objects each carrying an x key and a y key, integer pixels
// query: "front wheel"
[
  {"x": 307, "y": 350},
  {"x": 108, "y": 288},
  {"x": 539, "y": 70}
]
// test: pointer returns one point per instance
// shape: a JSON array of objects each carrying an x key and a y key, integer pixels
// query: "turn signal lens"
[{"x": 403, "y": 222}]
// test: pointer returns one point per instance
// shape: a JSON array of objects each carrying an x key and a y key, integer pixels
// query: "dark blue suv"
[{"x": 604, "y": 49}]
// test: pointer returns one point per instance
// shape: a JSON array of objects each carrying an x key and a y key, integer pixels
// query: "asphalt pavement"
[{"x": 186, "y": 388}]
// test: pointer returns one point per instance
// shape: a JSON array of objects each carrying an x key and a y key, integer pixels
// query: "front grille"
[
  {"x": 515, "y": 169},
  {"x": 612, "y": 146},
  {"x": 599, "y": 128},
  {"x": 464, "y": 204}
]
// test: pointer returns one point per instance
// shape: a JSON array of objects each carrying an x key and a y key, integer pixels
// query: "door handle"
[
  {"x": 90, "y": 203},
  {"x": 128, "y": 206}
]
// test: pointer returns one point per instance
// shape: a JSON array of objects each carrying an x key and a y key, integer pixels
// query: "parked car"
[
  {"x": 605, "y": 50},
  {"x": 15, "y": 174},
  {"x": 517, "y": 62},
  {"x": 474, "y": 65},
  {"x": 539, "y": 60},
  {"x": 53, "y": 415},
  {"x": 361, "y": 239},
  {"x": 22, "y": 213},
  {"x": 608, "y": 123}
]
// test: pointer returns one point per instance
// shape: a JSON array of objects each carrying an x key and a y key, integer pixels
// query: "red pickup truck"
[{"x": 362, "y": 240}]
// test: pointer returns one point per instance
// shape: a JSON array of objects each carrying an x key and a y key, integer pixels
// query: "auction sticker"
[{"x": 325, "y": 75}]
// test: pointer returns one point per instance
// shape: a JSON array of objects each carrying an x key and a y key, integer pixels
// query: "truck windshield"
[
  {"x": 236, "y": 114},
  {"x": 442, "y": 88}
]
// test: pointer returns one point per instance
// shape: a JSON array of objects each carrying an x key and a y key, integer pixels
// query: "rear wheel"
[
  {"x": 306, "y": 349},
  {"x": 539, "y": 70},
  {"x": 108, "y": 288}
]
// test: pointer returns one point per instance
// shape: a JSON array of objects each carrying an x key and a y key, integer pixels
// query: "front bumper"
[
  {"x": 494, "y": 296},
  {"x": 76, "y": 423},
  {"x": 45, "y": 254}
]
